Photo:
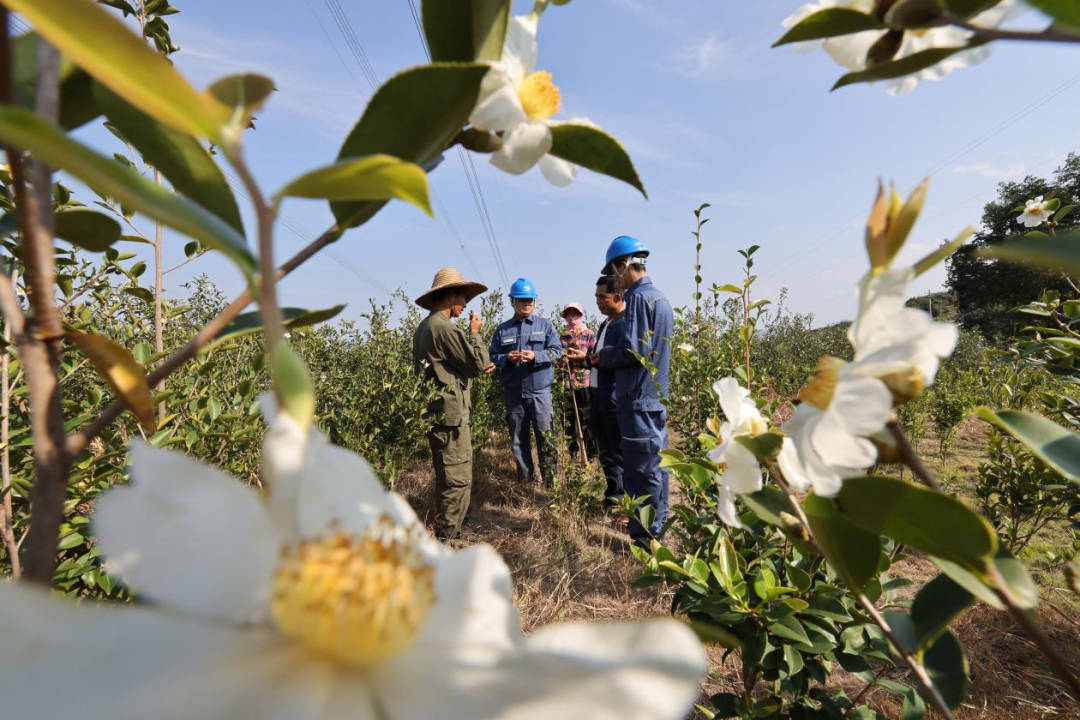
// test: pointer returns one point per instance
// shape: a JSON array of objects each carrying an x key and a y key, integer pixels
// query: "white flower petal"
[
  {"x": 338, "y": 489},
  {"x": 188, "y": 536},
  {"x": 498, "y": 106},
  {"x": 743, "y": 474},
  {"x": 519, "y": 48},
  {"x": 648, "y": 669},
  {"x": 522, "y": 147},
  {"x": 725, "y": 506},
  {"x": 557, "y": 171},
  {"x": 861, "y": 404},
  {"x": 62, "y": 659},
  {"x": 837, "y": 447},
  {"x": 473, "y": 620},
  {"x": 790, "y": 467},
  {"x": 731, "y": 396}
]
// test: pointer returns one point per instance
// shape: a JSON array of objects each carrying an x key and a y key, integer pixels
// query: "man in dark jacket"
[
  {"x": 446, "y": 355},
  {"x": 641, "y": 357},
  {"x": 602, "y": 415}
]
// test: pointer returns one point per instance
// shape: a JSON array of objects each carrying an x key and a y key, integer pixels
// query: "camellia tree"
[{"x": 322, "y": 596}]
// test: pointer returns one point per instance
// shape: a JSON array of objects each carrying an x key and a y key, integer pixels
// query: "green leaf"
[
  {"x": 595, "y": 150},
  {"x": 852, "y": 552},
  {"x": 914, "y": 706},
  {"x": 936, "y": 605},
  {"x": 105, "y": 48},
  {"x": 928, "y": 521},
  {"x": 789, "y": 628},
  {"x": 765, "y": 446},
  {"x": 793, "y": 659},
  {"x": 181, "y": 159},
  {"x": 1062, "y": 11},
  {"x": 902, "y": 628},
  {"x": 243, "y": 94},
  {"x": 466, "y": 30},
  {"x": 249, "y": 323},
  {"x": 77, "y": 105},
  {"x": 799, "y": 578},
  {"x": 967, "y": 8},
  {"x": 87, "y": 229},
  {"x": 906, "y": 65},
  {"x": 1061, "y": 252},
  {"x": 293, "y": 387},
  {"x": 1048, "y": 441},
  {"x": 830, "y": 23},
  {"x": 943, "y": 252},
  {"x": 1013, "y": 572},
  {"x": 25, "y": 130},
  {"x": 947, "y": 667},
  {"x": 413, "y": 116},
  {"x": 372, "y": 177}
]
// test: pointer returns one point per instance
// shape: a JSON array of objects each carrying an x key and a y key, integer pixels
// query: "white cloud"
[
  {"x": 707, "y": 56},
  {"x": 989, "y": 170}
]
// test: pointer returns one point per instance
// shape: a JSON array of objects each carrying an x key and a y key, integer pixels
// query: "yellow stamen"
[
  {"x": 539, "y": 96},
  {"x": 819, "y": 390},
  {"x": 357, "y": 599}
]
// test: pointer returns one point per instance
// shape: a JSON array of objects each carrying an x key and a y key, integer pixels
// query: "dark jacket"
[
  {"x": 604, "y": 392},
  {"x": 645, "y": 330},
  {"x": 449, "y": 356},
  {"x": 533, "y": 333}
]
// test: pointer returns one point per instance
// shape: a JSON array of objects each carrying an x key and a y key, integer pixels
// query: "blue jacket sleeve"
[
  {"x": 497, "y": 356},
  {"x": 552, "y": 348},
  {"x": 629, "y": 330}
]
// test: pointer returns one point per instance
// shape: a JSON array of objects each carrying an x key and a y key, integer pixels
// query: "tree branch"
[
  {"x": 77, "y": 442},
  {"x": 910, "y": 457},
  {"x": 985, "y": 33},
  {"x": 39, "y": 344}
]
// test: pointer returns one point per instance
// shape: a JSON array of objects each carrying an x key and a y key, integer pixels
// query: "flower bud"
[{"x": 911, "y": 14}]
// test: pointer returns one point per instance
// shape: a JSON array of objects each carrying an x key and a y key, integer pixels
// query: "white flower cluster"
[
  {"x": 897, "y": 351},
  {"x": 851, "y": 50}
]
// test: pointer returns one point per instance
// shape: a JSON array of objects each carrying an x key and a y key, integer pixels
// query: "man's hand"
[
  {"x": 490, "y": 367},
  {"x": 527, "y": 355},
  {"x": 595, "y": 358},
  {"x": 574, "y": 354},
  {"x": 513, "y": 357},
  {"x": 475, "y": 322}
]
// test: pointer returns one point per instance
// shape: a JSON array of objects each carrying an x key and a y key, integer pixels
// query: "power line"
[
  {"x": 973, "y": 145},
  {"x": 471, "y": 177},
  {"x": 368, "y": 69},
  {"x": 301, "y": 232}
]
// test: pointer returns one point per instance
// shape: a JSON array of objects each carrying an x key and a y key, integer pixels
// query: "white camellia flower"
[
  {"x": 686, "y": 348},
  {"x": 1035, "y": 212},
  {"x": 325, "y": 598},
  {"x": 518, "y": 101},
  {"x": 829, "y": 429},
  {"x": 850, "y": 50},
  {"x": 900, "y": 345}
]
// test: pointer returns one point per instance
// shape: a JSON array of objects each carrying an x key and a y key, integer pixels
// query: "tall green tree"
[{"x": 987, "y": 290}]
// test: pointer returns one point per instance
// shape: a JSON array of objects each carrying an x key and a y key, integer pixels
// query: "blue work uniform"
[
  {"x": 527, "y": 390},
  {"x": 640, "y": 354},
  {"x": 604, "y": 419}
]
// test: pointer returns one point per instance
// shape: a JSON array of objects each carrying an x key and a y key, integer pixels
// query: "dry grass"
[{"x": 569, "y": 564}]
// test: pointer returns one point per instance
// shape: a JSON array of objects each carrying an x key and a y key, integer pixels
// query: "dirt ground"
[{"x": 574, "y": 564}]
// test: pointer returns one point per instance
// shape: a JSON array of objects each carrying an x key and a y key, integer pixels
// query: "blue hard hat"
[
  {"x": 621, "y": 247},
  {"x": 522, "y": 288}
]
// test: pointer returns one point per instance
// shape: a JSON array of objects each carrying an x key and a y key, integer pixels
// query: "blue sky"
[{"x": 708, "y": 112}]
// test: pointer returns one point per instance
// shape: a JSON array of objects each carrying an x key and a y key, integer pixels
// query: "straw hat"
[{"x": 449, "y": 277}]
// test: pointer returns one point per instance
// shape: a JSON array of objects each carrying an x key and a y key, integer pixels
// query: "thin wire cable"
[
  {"x": 305, "y": 235},
  {"x": 471, "y": 176},
  {"x": 372, "y": 77},
  {"x": 329, "y": 41},
  {"x": 978, "y": 142}
]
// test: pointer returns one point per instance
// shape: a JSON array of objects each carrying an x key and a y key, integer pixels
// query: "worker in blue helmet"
[
  {"x": 640, "y": 355},
  {"x": 525, "y": 349}
]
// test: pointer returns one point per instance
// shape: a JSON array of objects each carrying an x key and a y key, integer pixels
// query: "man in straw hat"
[{"x": 449, "y": 357}]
